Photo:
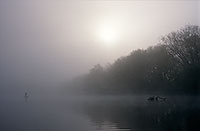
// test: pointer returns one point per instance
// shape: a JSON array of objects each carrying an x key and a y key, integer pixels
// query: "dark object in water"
[
  {"x": 26, "y": 96},
  {"x": 152, "y": 98},
  {"x": 156, "y": 98},
  {"x": 161, "y": 98}
]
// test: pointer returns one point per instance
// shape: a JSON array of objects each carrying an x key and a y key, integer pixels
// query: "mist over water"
[{"x": 99, "y": 113}]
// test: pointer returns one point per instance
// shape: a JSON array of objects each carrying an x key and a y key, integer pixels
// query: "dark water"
[{"x": 100, "y": 114}]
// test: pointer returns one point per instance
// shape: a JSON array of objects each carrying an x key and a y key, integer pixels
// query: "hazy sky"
[{"x": 53, "y": 39}]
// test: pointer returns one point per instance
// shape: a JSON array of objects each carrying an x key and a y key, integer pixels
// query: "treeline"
[{"x": 172, "y": 66}]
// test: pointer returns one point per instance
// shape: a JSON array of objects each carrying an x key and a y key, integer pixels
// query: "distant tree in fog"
[{"x": 172, "y": 66}]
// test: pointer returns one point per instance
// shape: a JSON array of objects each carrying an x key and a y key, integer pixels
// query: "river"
[{"x": 102, "y": 113}]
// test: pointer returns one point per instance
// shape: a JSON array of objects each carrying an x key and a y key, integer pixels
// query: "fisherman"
[{"x": 26, "y": 96}]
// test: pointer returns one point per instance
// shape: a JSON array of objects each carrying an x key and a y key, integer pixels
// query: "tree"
[
  {"x": 184, "y": 46},
  {"x": 173, "y": 66}
]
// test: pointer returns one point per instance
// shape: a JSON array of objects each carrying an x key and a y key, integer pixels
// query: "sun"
[{"x": 107, "y": 34}]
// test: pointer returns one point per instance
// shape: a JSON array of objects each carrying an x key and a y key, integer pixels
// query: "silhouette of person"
[{"x": 26, "y": 96}]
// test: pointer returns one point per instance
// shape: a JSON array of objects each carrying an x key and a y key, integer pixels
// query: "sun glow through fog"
[{"x": 108, "y": 34}]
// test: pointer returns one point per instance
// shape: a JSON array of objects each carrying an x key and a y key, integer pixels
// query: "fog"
[
  {"x": 53, "y": 41},
  {"x": 83, "y": 65}
]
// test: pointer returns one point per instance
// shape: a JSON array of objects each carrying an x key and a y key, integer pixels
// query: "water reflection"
[
  {"x": 99, "y": 114},
  {"x": 136, "y": 116}
]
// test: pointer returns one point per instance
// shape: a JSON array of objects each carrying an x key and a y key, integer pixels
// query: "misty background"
[
  {"x": 44, "y": 44},
  {"x": 137, "y": 63}
]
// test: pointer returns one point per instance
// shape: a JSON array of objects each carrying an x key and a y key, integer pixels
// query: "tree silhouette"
[
  {"x": 172, "y": 66},
  {"x": 184, "y": 46}
]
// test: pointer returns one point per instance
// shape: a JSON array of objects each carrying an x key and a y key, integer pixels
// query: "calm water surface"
[{"x": 99, "y": 114}]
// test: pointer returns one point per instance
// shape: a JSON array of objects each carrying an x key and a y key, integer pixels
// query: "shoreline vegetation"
[{"x": 171, "y": 67}]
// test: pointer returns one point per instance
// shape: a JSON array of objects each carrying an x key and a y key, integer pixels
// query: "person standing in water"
[{"x": 26, "y": 96}]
